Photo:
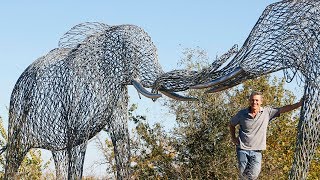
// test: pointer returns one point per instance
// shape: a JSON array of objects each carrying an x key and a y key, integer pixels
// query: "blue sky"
[{"x": 31, "y": 29}]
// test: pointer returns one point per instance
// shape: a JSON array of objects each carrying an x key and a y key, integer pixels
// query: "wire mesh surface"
[
  {"x": 285, "y": 37},
  {"x": 66, "y": 97}
]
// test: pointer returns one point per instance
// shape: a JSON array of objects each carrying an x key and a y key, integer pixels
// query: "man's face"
[{"x": 255, "y": 101}]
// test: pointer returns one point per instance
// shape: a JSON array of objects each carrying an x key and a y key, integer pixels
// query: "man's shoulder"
[{"x": 240, "y": 116}]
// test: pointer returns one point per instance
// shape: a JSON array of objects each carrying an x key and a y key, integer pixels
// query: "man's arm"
[
  {"x": 291, "y": 107},
  {"x": 234, "y": 139}
]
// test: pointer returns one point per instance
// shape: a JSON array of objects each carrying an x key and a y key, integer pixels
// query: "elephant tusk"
[
  {"x": 143, "y": 91},
  {"x": 234, "y": 73},
  {"x": 178, "y": 96}
]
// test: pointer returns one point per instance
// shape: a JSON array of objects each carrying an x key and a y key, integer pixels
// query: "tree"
[
  {"x": 152, "y": 153},
  {"x": 152, "y": 156},
  {"x": 202, "y": 138},
  {"x": 202, "y": 135}
]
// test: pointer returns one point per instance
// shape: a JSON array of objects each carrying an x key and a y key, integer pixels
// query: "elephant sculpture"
[
  {"x": 286, "y": 37},
  {"x": 66, "y": 97}
]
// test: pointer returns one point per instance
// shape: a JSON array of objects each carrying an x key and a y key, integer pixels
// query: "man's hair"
[{"x": 255, "y": 93}]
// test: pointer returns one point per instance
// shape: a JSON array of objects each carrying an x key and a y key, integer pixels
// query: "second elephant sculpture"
[{"x": 286, "y": 37}]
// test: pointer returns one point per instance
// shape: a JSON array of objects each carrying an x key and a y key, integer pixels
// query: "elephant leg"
[
  {"x": 69, "y": 162},
  {"x": 61, "y": 164},
  {"x": 16, "y": 151},
  {"x": 308, "y": 133},
  {"x": 118, "y": 130}
]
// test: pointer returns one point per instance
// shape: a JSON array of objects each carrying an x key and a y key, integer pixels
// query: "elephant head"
[{"x": 286, "y": 37}]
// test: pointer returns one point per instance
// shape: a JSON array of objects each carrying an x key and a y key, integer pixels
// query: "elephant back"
[{"x": 126, "y": 49}]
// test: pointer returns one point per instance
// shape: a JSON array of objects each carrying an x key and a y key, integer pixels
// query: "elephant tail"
[{"x": 3, "y": 149}]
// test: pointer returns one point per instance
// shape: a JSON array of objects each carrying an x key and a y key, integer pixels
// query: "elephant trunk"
[{"x": 219, "y": 80}]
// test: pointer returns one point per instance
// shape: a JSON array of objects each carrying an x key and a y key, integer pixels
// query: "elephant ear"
[{"x": 80, "y": 32}]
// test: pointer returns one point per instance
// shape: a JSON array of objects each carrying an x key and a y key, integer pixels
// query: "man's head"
[{"x": 255, "y": 100}]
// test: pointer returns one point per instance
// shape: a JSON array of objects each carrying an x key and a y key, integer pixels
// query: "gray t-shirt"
[{"x": 253, "y": 131}]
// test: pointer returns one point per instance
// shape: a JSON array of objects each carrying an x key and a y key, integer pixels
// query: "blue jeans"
[{"x": 249, "y": 163}]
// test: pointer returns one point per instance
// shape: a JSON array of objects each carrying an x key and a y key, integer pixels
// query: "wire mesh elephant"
[
  {"x": 286, "y": 37},
  {"x": 66, "y": 97}
]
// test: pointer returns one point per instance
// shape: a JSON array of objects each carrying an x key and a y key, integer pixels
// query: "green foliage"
[
  {"x": 31, "y": 167},
  {"x": 152, "y": 156},
  {"x": 152, "y": 153},
  {"x": 203, "y": 138},
  {"x": 315, "y": 166}
]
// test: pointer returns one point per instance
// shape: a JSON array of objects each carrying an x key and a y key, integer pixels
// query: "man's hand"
[{"x": 234, "y": 139}]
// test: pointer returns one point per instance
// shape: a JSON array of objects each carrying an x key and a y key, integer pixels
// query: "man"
[{"x": 253, "y": 123}]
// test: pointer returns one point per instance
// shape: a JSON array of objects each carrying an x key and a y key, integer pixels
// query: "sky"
[{"x": 30, "y": 29}]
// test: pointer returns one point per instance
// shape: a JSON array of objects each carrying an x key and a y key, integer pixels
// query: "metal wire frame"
[
  {"x": 66, "y": 97},
  {"x": 286, "y": 37}
]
